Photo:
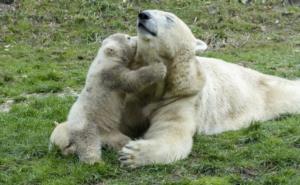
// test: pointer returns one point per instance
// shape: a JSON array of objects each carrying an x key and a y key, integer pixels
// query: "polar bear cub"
[{"x": 94, "y": 118}]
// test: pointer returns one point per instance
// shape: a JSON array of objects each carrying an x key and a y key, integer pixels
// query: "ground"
[{"x": 47, "y": 46}]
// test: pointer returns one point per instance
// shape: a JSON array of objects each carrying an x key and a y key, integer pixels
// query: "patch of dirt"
[
  {"x": 8, "y": 5},
  {"x": 67, "y": 92},
  {"x": 216, "y": 42},
  {"x": 6, "y": 106}
]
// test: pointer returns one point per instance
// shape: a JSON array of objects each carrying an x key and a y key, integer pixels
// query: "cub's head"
[
  {"x": 120, "y": 46},
  {"x": 60, "y": 138},
  {"x": 165, "y": 33}
]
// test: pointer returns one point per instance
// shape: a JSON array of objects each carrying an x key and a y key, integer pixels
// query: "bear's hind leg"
[{"x": 283, "y": 97}]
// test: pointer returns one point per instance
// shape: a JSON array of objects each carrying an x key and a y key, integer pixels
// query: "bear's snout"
[
  {"x": 144, "y": 15},
  {"x": 146, "y": 24}
]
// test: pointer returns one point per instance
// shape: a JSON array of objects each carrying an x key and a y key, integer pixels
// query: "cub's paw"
[
  {"x": 159, "y": 70},
  {"x": 91, "y": 159},
  {"x": 148, "y": 110},
  {"x": 135, "y": 154},
  {"x": 116, "y": 142}
]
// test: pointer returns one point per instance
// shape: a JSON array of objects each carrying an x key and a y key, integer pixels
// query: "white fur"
[
  {"x": 201, "y": 46},
  {"x": 234, "y": 96}
]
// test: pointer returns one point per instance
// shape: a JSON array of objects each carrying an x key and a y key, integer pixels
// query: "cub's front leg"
[
  {"x": 132, "y": 81},
  {"x": 88, "y": 145}
]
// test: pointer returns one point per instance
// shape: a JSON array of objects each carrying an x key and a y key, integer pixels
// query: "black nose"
[{"x": 144, "y": 15}]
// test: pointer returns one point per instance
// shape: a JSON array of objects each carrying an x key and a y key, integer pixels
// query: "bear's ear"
[
  {"x": 200, "y": 46},
  {"x": 55, "y": 123}
]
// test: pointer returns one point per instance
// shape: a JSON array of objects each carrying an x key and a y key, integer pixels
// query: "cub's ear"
[{"x": 200, "y": 46}]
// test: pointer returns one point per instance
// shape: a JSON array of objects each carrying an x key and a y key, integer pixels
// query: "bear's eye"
[
  {"x": 128, "y": 38},
  {"x": 169, "y": 19},
  {"x": 68, "y": 146}
]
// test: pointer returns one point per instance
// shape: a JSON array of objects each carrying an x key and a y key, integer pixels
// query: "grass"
[{"x": 47, "y": 46}]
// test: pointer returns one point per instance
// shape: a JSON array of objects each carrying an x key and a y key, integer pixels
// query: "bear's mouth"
[{"x": 143, "y": 27}]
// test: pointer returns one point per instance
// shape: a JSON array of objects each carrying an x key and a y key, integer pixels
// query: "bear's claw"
[{"x": 131, "y": 155}]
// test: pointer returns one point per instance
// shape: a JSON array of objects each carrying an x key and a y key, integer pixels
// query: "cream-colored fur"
[
  {"x": 94, "y": 118},
  {"x": 203, "y": 95}
]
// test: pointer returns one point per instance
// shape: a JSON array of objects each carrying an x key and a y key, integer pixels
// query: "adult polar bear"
[{"x": 228, "y": 96}]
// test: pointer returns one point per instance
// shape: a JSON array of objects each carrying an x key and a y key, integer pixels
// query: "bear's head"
[
  {"x": 61, "y": 138},
  {"x": 119, "y": 46},
  {"x": 163, "y": 35}
]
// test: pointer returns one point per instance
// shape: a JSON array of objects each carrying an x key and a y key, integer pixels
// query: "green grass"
[{"x": 47, "y": 46}]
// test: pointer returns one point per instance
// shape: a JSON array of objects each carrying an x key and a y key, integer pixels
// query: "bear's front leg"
[{"x": 168, "y": 139}]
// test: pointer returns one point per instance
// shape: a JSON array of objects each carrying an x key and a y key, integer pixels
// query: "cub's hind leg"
[{"x": 115, "y": 140}]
